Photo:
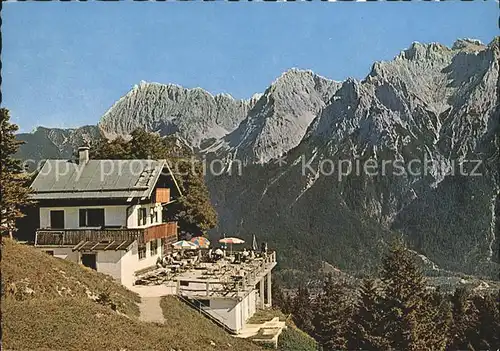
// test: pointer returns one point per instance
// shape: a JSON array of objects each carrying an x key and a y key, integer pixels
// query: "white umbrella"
[
  {"x": 231, "y": 241},
  {"x": 184, "y": 245},
  {"x": 254, "y": 243}
]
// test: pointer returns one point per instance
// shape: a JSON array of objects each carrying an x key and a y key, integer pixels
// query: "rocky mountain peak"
[
  {"x": 194, "y": 114},
  {"x": 281, "y": 116},
  {"x": 468, "y": 44}
]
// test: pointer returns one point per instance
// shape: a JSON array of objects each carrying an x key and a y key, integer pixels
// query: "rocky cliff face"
[
  {"x": 279, "y": 119},
  {"x": 46, "y": 143},
  {"x": 432, "y": 104},
  {"x": 431, "y": 115},
  {"x": 194, "y": 114}
]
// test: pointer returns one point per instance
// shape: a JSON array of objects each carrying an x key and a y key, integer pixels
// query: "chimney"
[{"x": 83, "y": 155}]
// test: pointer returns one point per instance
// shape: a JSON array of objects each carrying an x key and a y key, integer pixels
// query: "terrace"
[{"x": 195, "y": 278}]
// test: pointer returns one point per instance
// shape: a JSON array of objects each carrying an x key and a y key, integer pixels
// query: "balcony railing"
[
  {"x": 71, "y": 237},
  {"x": 164, "y": 230}
]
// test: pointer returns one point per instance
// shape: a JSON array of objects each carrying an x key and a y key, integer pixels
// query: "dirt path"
[{"x": 151, "y": 310}]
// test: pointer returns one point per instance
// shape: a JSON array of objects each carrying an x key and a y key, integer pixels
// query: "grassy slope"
[
  {"x": 37, "y": 313},
  {"x": 24, "y": 268}
]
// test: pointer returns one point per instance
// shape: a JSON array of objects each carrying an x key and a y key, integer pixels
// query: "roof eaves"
[
  {"x": 173, "y": 178},
  {"x": 156, "y": 176}
]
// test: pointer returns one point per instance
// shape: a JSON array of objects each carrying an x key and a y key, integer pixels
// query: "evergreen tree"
[
  {"x": 366, "y": 329},
  {"x": 332, "y": 316},
  {"x": 193, "y": 210},
  {"x": 302, "y": 310},
  {"x": 464, "y": 321},
  {"x": 117, "y": 149},
  {"x": 144, "y": 145},
  {"x": 439, "y": 316},
  {"x": 13, "y": 181},
  {"x": 279, "y": 298},
  {"x": 411, "y": 322},
  {"x": 488, "y": 327}
]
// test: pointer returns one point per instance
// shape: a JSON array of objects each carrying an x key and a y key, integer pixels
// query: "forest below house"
[{"x": 395, "y": 310}]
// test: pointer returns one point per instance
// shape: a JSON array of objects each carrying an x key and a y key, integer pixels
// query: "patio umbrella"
[
  {"x": 184, "y": 245},
  {"x": 231, "y": 241},
  {"x": 254, "y": 243},
  {"x": 201, "y": 242}
]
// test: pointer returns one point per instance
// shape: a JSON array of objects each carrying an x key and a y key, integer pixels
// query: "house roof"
[{"x": 97, "y": 179}]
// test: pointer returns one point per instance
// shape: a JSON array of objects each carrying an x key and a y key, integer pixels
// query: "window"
[
  {"x": 162, "y": 246},
  {"x": 57, "y": 219},
  {"x": 152, "y": 215},
  {"x": 142, "y": 252},
  {"x": 141, "y": 216},
  {"x": 92, "y": 217},
  {"x": 153, "y": 247},
  {"x": 49, "y": 252}
]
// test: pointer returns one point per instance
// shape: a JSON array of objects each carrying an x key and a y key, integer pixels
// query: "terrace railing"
[{"x": 232, "y": 287}]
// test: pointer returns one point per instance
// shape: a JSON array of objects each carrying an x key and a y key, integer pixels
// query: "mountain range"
[{"x": 431, "y": 115}]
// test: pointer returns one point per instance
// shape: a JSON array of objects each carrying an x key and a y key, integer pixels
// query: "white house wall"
[
  {"x": 109, "y": 262},
  {"x": 113, "y": 215},
  {"x": 134, "y": 214},
  {"x": 130, "y": 262},
  {"x": 120, "y": 264}
]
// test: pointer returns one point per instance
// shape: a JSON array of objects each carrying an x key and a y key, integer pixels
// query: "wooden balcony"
[
  {"x": 71, "y": 237},
  {"x": 164, "y": 230}
]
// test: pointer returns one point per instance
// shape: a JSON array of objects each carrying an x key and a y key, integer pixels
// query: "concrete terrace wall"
[
  {"x": 225, "y": 310},
  {"x": 65, "y": 253},
  {"x": 233, "y": 313}
]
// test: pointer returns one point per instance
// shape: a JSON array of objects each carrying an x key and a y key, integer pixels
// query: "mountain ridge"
[{"x": 430, "y": 102}]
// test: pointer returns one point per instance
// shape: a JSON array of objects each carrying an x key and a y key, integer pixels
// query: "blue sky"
[{"x": 65, "y": 64}]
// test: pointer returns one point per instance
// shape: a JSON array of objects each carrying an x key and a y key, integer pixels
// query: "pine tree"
[
  {"x": 117, "y": 149},
  {"x": 439, "y": 317},
  {"x": 279, "y": 298},
  {"x": 366, "y": 329},
  {"x": 193, "y": 211},
  {"x": 332, "y": 316},
  {"x": 302, "y": 310},
  {"x": 410, "y": 320},
  {"x": 488, "y": 327},
  {"x": 464, "y": 321},
  {"x": 144, "y": 145},
  {"x": 13, "y": 182}
]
